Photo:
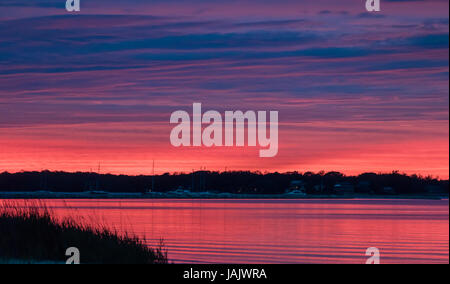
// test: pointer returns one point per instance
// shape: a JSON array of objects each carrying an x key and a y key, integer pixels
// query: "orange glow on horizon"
[{"x": 82, "y": 148}]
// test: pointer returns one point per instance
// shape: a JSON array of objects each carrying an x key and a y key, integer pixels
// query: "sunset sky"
[{"x": 356, "y": 91}]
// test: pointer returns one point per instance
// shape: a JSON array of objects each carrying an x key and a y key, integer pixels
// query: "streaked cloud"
[{"x": 354, "y": 91}]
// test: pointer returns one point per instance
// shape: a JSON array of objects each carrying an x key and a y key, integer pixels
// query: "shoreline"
[
  {"x": 34, "y": 234},
  {"x": 109, "y": 195}
]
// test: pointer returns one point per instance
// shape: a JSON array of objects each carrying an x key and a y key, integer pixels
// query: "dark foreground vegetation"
[
  {"x": 34, "y": 235},
  {"x": 230, "y": 182}
]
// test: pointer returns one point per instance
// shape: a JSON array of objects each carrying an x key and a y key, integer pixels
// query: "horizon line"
[{"x": 436, "y": 177}]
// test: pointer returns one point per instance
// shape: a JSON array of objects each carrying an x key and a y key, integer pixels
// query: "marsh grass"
[{"x": 32, "y": 234}]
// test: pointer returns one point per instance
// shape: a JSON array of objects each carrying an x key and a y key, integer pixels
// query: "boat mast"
[{"x": 153, "y": 177}]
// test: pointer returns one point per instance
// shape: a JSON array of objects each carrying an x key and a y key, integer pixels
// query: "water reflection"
[{"x": 278, "y": 231}]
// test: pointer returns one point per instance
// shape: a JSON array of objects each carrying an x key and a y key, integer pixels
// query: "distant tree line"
[{"x": 232, "y": 182}]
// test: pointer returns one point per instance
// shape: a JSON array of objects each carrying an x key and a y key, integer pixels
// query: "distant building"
[
  {"x": 435, "y": 189},
  {"x": 388, "y": 190},
  {"x": 180, "y": 188},
  {"x": 344, "y": 188},
  {"x": 318, "y": 188},
  {"x": 296, "y": 186}
]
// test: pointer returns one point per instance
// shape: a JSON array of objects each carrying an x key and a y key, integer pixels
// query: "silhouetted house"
[
  {"x": 388, "y": 190},
  {"x": 319, "y": 188},
  {"x": 344, "y": 188},
  {"x": 297, "y": 186},
  {"x": 364, "y": 186},
  {"x": 181, "y": 188},
  {"x": 435, "y": 189}
]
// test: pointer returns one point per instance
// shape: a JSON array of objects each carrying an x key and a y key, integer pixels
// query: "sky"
[{"x": 356, "y": 91}]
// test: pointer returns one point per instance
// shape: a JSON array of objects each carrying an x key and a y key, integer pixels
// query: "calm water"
[{"x": 279, "y": 231}]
